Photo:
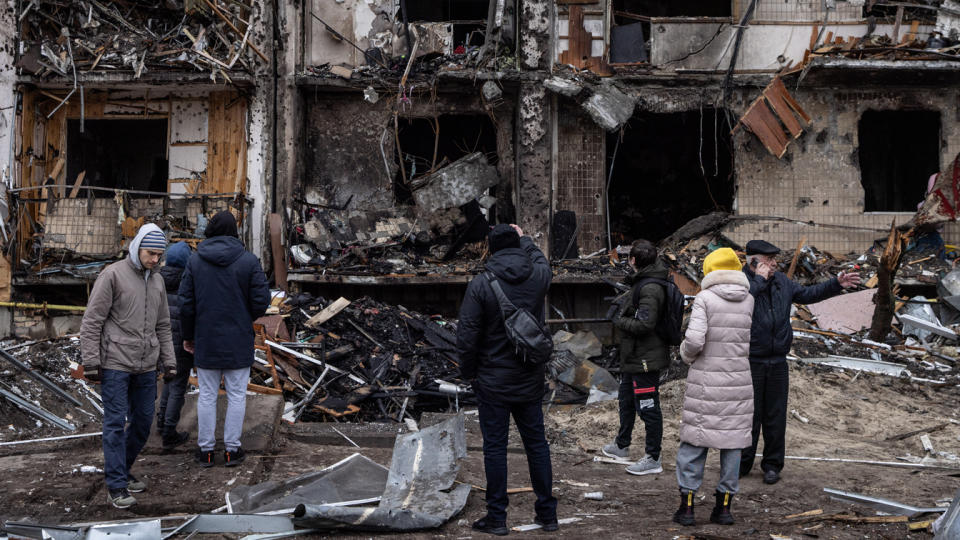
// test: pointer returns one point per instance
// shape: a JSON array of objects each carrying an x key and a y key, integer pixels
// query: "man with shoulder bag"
[{"x": 503, "y": 351}]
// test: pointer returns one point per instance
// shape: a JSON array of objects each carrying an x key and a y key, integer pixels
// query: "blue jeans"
[
  {"x": 494, "y": 424},
  {"x": 125, "y": 393}
]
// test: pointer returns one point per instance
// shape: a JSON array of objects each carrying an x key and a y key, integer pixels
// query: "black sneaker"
[
  {"x": 485, "y": 525},
  {"x": 771, "y": 477},
  {"x": 120, "y": 498},
  {"x": 205, "y": 459},
  {"x": 172, "y": 441},
  {"x": 232, "y": 459},
  {"x": 548, "y": 525}
]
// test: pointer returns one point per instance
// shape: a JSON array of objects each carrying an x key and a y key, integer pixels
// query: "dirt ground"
[{"x": 848, "y": 418}]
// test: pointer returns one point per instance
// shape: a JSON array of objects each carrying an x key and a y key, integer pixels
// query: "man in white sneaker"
[{"x": 643, "y": 353}]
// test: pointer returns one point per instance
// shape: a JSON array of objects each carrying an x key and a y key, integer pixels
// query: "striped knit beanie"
[{"x": 154, "y": 240}]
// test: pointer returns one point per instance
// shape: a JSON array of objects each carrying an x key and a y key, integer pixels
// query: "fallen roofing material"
[
  {"x": 883, "y": 505},
  {"x": 355, "y": 479},
  {"x": 765, "y": 115},
  {"x": 419, "y": 493}
]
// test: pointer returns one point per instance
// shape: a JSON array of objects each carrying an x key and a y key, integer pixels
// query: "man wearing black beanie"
[
  {"x": 505, "y": 384},
  {"x": 222, "y": 292}
]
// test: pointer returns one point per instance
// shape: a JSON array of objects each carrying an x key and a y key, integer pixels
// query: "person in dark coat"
[
  {"x": 504, "y": 384},
  {"x": 223, "y": 291},
  {"x": 770, "y": 338},
  {"x": 171, "y": 401},
  {"x": 643, "y": 354}
]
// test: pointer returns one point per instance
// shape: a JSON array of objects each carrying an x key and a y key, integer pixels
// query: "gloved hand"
[
  {"x": 92, "y": 373},
  {"x": 169, "y": 373}
]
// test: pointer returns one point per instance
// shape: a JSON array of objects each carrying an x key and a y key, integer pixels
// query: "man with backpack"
[
  {"x": 647, "y": 323},
  {"x": 506, "y": 374}
]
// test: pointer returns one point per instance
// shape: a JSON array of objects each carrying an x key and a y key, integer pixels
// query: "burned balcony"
[{"x": 214, "y": 37}]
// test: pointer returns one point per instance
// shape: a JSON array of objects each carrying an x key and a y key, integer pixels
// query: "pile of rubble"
[{"x": 209, "y": 35}]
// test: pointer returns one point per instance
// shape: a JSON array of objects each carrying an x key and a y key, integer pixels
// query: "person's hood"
[
  {"x": 171, "y": 278},
  {"x": 134, "y": 249},
  {"x": 731, "y": 285},
  {"x": 220, "y": 250},
  {"x": 656, "y": 269},
  {"x": 511, "y": 265},
  {"x": 177, "y": 254}
]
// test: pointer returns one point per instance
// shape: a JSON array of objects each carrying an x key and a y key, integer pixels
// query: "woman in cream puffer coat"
[{"x": 718, "y": 404}]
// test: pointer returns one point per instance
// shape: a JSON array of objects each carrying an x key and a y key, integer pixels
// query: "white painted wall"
[
  {"x": 762, "y": 43},
  {"x": 8, "y": 43}
]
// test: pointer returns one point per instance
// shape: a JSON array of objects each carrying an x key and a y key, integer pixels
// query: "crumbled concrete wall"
[
  {"x": 8, "y": 79},
  {"x": 535, "y": 151},
  {"x": 819, "y": 177},
  {"x": 535, "y": 36}
]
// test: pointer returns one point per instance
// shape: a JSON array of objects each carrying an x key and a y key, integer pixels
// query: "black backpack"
[
  {"x": 671, "y": 319},
  {"x": 532, "y": 341}
]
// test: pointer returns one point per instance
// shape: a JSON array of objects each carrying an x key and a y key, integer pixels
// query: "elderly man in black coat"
[
  {"x": 223, "y": 291},
  {"x": 770, "y": 338},
  {"x": 505, "y": 385}
]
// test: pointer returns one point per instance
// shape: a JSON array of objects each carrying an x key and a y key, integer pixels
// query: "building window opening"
[
  {"x": 467, "y": 18},
  {"x": 119, "y": 154},
  {"x": 669, "y": 169},
  {"x": 898, "y": 152},
  {"x": 459, "y": 135}
]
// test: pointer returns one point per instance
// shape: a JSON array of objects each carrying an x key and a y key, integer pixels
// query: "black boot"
[
  {"x": 684, "y": 514},
  {"x": 721, "y": 510}
]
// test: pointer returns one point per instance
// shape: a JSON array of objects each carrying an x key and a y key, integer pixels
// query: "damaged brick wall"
[{"x": 819, "y": 178}]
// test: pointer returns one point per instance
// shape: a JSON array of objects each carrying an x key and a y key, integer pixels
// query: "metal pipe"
[
  {"x": 37, "y": 411},
  {"x": 47, "y": 439},
  {"x": 54, "y": 307},
  {"x": 40, "y": 378}
]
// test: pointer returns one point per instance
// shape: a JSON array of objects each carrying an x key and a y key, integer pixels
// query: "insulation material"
[
  {"x": 187, "y": 162},
  {"x": 188, "y": 122}
]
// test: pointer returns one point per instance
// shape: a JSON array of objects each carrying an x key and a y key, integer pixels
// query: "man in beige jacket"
[{"x": 124, "y": 337}]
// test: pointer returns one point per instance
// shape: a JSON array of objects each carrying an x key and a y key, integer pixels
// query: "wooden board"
[
  {"x": 77, "y": 184},
  {"x": 277, "y": 251},
  {"x": 758, "y": 119},
  {"x": 226, "y": 142},
  {"x": 328, "y": 312},
  {"x": 783, "y": 110}
]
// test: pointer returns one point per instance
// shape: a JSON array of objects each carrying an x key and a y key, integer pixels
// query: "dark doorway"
[
  {"x": 446, "y": 10},
  {"x": 669, "y": 169},
  {"x": 459, "y": 135},
  {"x": 123, "y": 154},
  {"x": 674, "y": 8},
  {"x": 898, "y": 152}
]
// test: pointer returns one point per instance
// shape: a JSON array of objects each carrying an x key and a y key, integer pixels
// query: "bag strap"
[{"x": 505, "y": 304}]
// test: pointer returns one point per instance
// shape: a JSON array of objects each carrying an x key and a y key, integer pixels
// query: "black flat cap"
[{"x": 761, "y": 247}]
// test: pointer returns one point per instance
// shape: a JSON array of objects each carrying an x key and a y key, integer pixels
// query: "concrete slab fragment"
[
  {"x": 609, "y": 107},
  {"x": 260, "y": 422},
  {"x": 846, "y": 313},
  {"x": 456, "y": 184}
]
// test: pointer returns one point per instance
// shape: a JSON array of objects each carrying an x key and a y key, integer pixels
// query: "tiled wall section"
[{"x": 819, "y": 177}]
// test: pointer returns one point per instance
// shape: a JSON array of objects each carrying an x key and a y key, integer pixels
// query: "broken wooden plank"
[
  {"x": 909, "y": 434},
  {"x": 768, "y": 129},
  {"x": 808, "y": 513},
  {"x": 235, "y": 29},
  {"x": 781, "y": 90},
  {"x": 796, "y": 255},
  {"x": 328, "y": 312},
  {"x": 77, "y": 184}
]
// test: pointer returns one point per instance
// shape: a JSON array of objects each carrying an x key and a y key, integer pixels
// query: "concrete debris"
[
  {"x": 491, "y": 91},
  {"x": 370, "y": 95},
  {"x": 562, "y": 86},
  {"x": 847, "y": 313},
  {"x": 609, "y": 107},
  {"x": 587, "y": 376},
  {"x": 456, "y": 184},
  {"x": 583, "y": 344}
]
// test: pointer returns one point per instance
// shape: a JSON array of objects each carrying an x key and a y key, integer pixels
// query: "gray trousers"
[
  {"x": 690, "y": 461},
  {"x": 235, "y": 383}
]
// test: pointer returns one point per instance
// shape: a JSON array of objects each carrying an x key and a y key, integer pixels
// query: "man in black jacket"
[
  {"x": 174, "y": 388},
  {"x": 643, "y": 354},
  {"x": 770, "y": 338},
  {"x": 504, "y": 384},
  {"x": 223, "y": 291}
]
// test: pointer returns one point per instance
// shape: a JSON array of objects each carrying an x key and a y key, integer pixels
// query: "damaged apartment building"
[{"x": 368, "y": 145}]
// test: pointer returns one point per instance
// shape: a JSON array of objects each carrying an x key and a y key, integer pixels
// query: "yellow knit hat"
[{"x": 721, "y": 259}]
